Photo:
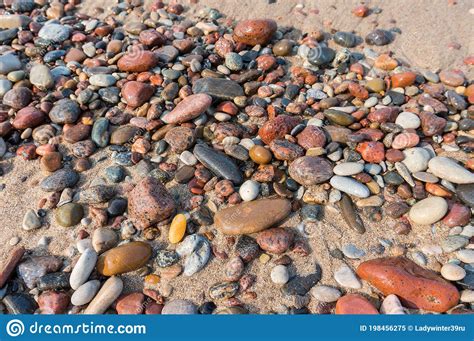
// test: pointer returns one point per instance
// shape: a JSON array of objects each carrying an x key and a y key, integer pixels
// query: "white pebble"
[
  {"x": 279, "y": 274},
  {"x": 249, "y": 190},
  {"x": 452, "y": 272}
]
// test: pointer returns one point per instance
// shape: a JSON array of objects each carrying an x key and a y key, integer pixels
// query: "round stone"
[
  {"x": 41, "y": 77},
  {"x": 408, "y": 120},
  {"x": 260, "y": 155},
  {"x": 249, "y": 190},
  {"x": 69, "y": 214},
  {"x": 310, "y": 170},
  {"x": 279, "y": 274}
]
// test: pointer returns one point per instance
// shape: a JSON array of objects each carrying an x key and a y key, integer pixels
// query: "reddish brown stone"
[
  {"x": 51, "y": 162},
  {"x": 415, "y": 286},
  {"x": 354, "y": 304},
  {"x": 383, "y": 115},
  {"x": 403, "y": 79},
  {"x": 405, "y": 140},
  {"x": 394, "y": 155},
  {"x": 311, "y": 137},
  {"x": 432, "y": 124},
  {"x": 275, "y": 240},
  {"x": 458, "y": 215},
  {"x": 371, "y": 151},
  {"x": 151, "y": 38},
  {"x": 51, "y": 302},
  {"x": 452, "y": 77},
  {"x": 285, "y": 150},
  {"x": 277, "y": 128},
  {"x": 189, "y": 108},
  {"x": 28, "y": 117},
  {"x": 153, "y": 308},
  {"x": 254, "y": 32},
  {"x": 358, "y": 91},
  {"x": 131, "y": 304},
  {"x": 138, "y": 61},
  {"x": 149, "y": 202},
  {"x": 136, "y": 93},
  {"x": 360, "y": 11},
  {"x": 7, "y": 268}
]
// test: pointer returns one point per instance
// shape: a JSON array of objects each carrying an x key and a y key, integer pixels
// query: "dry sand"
[{"x": 427, "y": 30}]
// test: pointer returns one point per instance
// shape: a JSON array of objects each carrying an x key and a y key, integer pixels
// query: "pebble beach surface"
[{"x": 276, "y": 172}]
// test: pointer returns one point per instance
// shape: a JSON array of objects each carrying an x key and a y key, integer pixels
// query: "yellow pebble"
[
  {"x": 152, "y": 279},
  {"x": 88, "y": 121},
  {"x": 264, "y": 258},
  {"x": 373, "y": 187},
  {"x": 177, "y": 229}
]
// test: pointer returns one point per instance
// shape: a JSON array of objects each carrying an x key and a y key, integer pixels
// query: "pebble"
[
  {"x": 378, "y": 37},
  {"x": 20, "y": 303},
  {"x": 350, "y": 186},
  {"x": 69, "y": 214},
  {"x": 177, "y": 229},
  {"x": 348, "y": 168},
  {"x": 166, "y": 258},
  {"x": 254, "y": 32},
  {"x": 354, "y": 304},
  {"x": 9, "y": 62},
  {"x": 399, "y": 275},
  {"x": 188, "y": 109},
  {"x": 251, "y": 217},
  {"x": 447, "y": 169},
  {"x": 465, "y": 256},
  {"x": 83, "y": 268},
  {"x": 275, "y": 240},
  {"x": 103, "y": 239},
  {"x": 218, "y": 88},
  {"x": 452, "y": 272},
  {"x": 30, "y": 221},
  {"x": 324, "y": 293},
  {"x": 353, "y": 252},
  {"x": 260, "y": 155},
  {"x": 65, "y": 111},
  {"x": 416, "y": 159},
  {"x": 197, "y": 251},
  {"x": 428, "y": 211},
  {"x": 41, "y": 77},
  {"x": 149, "y": 202},
  {"x": 179, "y": 307},
  {"x": 453, "y": 243},
  {"x": 279, "y": 274},
  {"x": 108, "y": 293},
  {"x": 124, "y": 258},
  {"x": 54, "y": 32},
  {"x": 218, "y": 163},
  {"x": 310, "y": 170},
  {"x": 347, "y": 278},
  {"x": 249, "y": 190}
]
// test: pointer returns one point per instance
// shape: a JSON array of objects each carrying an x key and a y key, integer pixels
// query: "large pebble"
[
  {"x": 447, "y": 169},
  {"x": 83, "y": 268},
  {"x": 416, "y": 159},
  {"x": 189, "y": 108},
  {"x": 149, "y": 202},
  {"x": 124, "y": 258},
  {"x": 415, "y": 286},
  {"x": 85, "y": 293},
  {"x": 428, "y": 211},
  {"x": 218, "y": 163},
  {"x": 253, "y": 216},
  {"x": 310, "y": 170},
  {"x": 41, "y": 77},
  {"x": 107, "y": 295},
  {"x": 350, "y": 186},
  {"x": 255, "y": 31},
  {"x": 197, "y": 250}
]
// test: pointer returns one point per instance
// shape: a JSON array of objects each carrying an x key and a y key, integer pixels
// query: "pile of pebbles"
[{"x": 254, "y": 128}]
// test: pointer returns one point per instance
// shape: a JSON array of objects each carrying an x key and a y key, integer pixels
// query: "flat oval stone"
[
  {"x": 107, "y": 295},
  {"x": 345, "y": 39},
  {"x": 41, "y": 77},
  {"x": 350, "y": 186},
  {"x": 417, "y": 287},
  {"x": 408, "y": 120},
  {"x": 253, "y": 216},
  {"x": 428, "y": 211},
  {"x": 218, "y": 163},
  {"x": 466, "y": 194},
  {"x": 339, "y": 117},
  {"x": 138, "y": 61},
  {"x": 416, "y": 159},
  {"x": 188, "y": 109},
  {"x": 124, "y": 258},
  {"x": 85, "y": 293},
  {"x": 324, "y": 293},
  {"x": 348, "y": 168},
  {"x": 83, "y": 268},
  {"x": 310, "y": 170},
  {"x": 321, "y": 55},
  {"x": 447, "y": 169}
]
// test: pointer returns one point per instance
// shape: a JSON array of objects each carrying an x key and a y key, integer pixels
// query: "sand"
[{"x": 427, "y": 32}]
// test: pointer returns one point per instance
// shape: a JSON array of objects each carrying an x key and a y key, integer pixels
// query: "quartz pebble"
[
  {"x": 279, "y": 274},
  {"x": 428, "y": 211},
  {"x": 108, "y": 293}
]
